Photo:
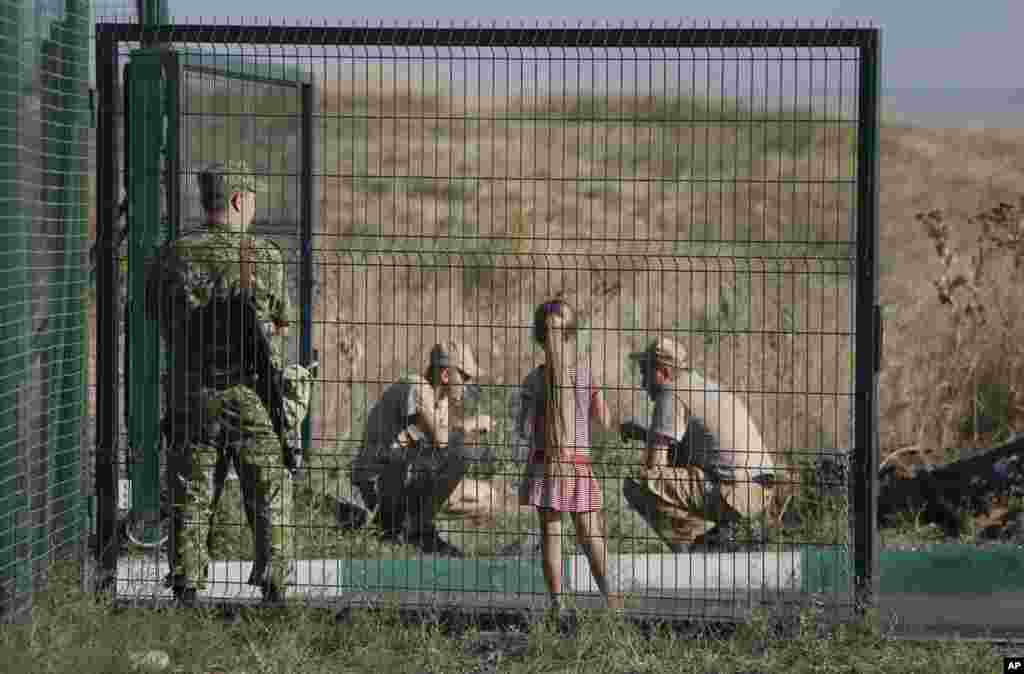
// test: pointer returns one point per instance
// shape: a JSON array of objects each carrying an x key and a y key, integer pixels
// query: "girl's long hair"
[{"x": 555, "y": 329}]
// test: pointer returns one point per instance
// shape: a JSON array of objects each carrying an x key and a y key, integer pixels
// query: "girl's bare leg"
[
  {"x": 590, "y": 533},
  {"x": 551, "y": 552}
]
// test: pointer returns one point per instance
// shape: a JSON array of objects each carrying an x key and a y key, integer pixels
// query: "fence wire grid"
[
  {"x": 426, "y": 184},
  {"x": 43, "y": 226}
]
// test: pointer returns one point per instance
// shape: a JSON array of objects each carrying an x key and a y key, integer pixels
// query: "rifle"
[{"x": 241, "y": 344}]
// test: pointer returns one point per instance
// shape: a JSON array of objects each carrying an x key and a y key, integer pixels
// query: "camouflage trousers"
[{"x": 223, "y": 430}]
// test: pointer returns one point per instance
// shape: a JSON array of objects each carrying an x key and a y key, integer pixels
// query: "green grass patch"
[
  {"x": 993, "y": 411},
  {"x": 688, "y": 161},
  {"x": 598, "y": 187},
  {"x": 797, "y": 240},
  {"x": 688, "y": 143},
  {"x": 461, "y": 246},
  {"x": 730, "y": 315},
  {"x": 73, "y": 631},
  {"x": 455, "y": 188},
  {"x": 347, "y": 126},
  {"x": 821, "y": 507},
  {"x": 343, "y": 138}
]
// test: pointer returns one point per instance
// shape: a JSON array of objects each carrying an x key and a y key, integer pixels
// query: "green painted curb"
[
  {"x": 446, "y": 575},
  {"x": 825, "y": 571},
  {"x": 940, "y": 570},
  {"x": 943, "y": 569},
  {"x": 949, "y": 569}
]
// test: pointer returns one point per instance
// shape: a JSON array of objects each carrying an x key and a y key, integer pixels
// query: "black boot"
[
  {"x": 723, "y": 537},
  {"x": 185, "y": 597},
  {"x": 232, "y": 614},
  {"x": 272, "y": 593},
  {"x": 183, "y": 592},
  {"x": 432, "y": 543}
]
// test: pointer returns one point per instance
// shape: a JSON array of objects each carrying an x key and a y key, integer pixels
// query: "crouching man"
[
  {"x": 705, "y": 464},
  {"x": 415, "y": 451}
]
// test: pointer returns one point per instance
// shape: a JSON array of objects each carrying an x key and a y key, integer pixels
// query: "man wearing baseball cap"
[
  {"x": 705, "y": 463},
  {"x": 215, "y": 416},
  {"x": 415, "y": 453}
]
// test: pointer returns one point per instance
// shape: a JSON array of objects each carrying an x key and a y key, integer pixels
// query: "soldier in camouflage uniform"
[
  {"x": 220, "y": 420},
  {"x": 416, "y": 452}
]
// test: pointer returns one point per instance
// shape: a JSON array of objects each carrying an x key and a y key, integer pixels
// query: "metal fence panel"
[
  {"x": 43, "y": 223},
  {"x": 723, "y": 179}
]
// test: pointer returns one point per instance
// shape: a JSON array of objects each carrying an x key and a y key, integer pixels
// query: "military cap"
[
  {"x": 457, "y": 355},
  {"x": 218, "y": 181},
  {"x": 664, "y": 351}
]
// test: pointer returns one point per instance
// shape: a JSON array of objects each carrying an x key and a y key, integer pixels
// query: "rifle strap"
[{"x": 245, "y": 263}]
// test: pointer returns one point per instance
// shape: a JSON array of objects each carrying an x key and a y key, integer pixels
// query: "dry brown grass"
[
  {"x": 955, "y": 171},
  {"x": 576, "y": 238},
  {"x": 975, "y": 358}
]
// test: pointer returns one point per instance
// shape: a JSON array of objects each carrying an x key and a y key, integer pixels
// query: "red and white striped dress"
[{"x": 577, "y": 490}]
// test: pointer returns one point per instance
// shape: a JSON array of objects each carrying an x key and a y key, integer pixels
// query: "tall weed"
[{"x": 969, "y": 392}]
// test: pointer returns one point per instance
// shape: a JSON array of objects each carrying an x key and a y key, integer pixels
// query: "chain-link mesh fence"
[
  {"x": 43, "y": 227},
  {"x": 701, "y": 185}
]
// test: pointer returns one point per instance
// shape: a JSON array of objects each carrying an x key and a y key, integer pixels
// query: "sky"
[{"x": 926, "y": 43}]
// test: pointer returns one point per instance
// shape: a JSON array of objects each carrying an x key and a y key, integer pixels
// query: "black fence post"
[
  {"x": 107, "y": 309},
  {"x": 867, "y": 341},
  {"x": 308, "y": 210}
]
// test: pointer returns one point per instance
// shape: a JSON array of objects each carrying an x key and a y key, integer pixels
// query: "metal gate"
[
  {"x": 723, "y": 180},
  {"x": 183, "y": 83}
]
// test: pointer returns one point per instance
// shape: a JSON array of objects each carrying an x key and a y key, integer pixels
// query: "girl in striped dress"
[{"x": 559, "y": 402}]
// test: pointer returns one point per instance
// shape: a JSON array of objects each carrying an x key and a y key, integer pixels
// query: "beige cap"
[
  {"x": 457, "y": 355},
  {"x": 664, "y": 351}
]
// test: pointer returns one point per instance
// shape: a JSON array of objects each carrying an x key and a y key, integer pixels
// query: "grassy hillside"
[{"x": 731, "y": 235}]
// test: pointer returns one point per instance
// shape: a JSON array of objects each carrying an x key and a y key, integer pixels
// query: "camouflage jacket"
[
  {"x": 203, "y": 262},
  {"x": 187, "y": 272}
]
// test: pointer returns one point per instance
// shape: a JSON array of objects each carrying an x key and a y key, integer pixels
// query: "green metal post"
[
  {"x": 146, "y": 110},
  {"x": 172, "y": 147},
  {"x": 154, "y": 13}
]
